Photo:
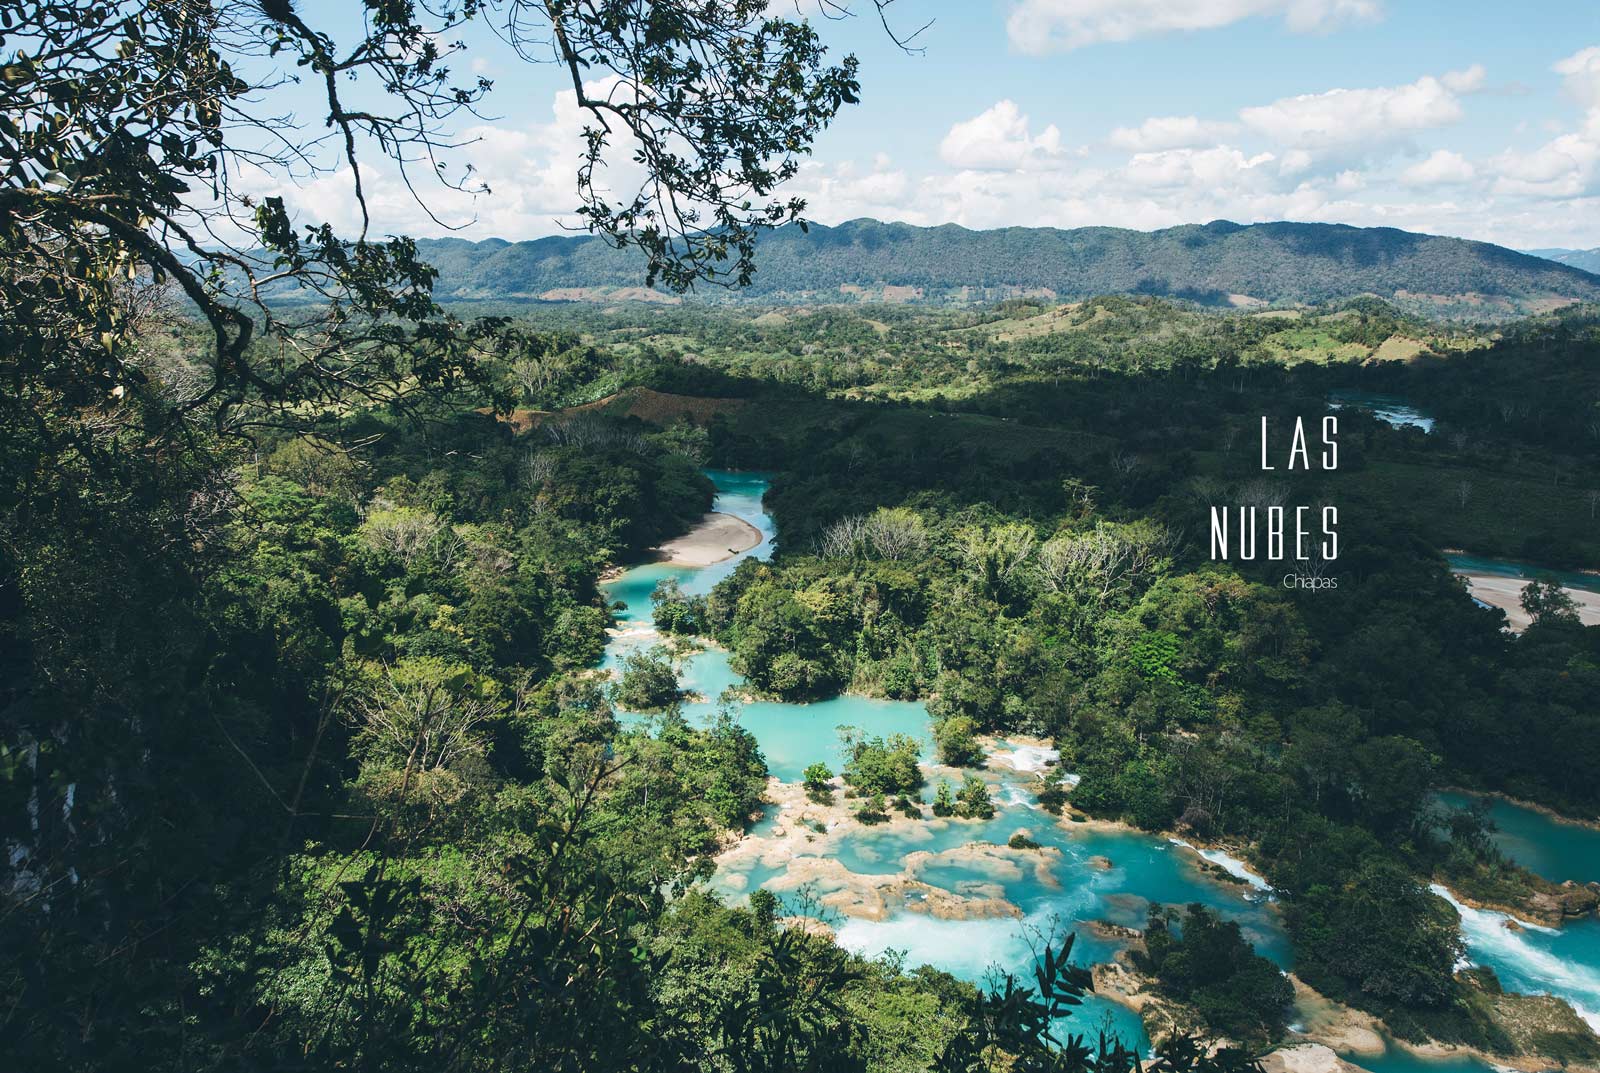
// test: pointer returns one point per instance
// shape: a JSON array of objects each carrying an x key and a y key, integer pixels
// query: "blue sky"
[{"x": 1467, "y": 118}]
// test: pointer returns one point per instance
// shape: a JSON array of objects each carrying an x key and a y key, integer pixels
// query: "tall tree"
[
  {"x": 142, "y": 141},
  {"x": 145, "y": 735}
]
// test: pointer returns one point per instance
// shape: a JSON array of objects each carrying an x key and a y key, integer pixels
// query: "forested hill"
[{"x": 1220, "y": 263}]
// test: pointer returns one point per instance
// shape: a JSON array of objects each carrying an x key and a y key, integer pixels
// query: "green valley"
[{"x": 718, "y": 642}]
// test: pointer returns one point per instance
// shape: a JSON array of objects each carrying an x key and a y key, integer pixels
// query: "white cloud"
[
  {"x": 1184, "y": 187},
  {"x": 1469, "y": 80},
  {"x": 1341, "y": 118},
  {"x": 1568, "y": 165},
  {"x": 1296, "y": 162},
  {"x": 1220, "y": 167},
  {"x": 1344, "y": 156},
  {"x": 845, "y": 192},
  {"x": 1170, "y": 132},
  {"x": 1581, "y": 74},
  {"x": 1564, "y": 167},
  {"x": 1000, "y": 139},
  {"x": 529, "y": 171},
  {"x": 1037, "y": 27},
  {"x": 1442, "y": 168},
  {"x": 1341, "y": 156}
]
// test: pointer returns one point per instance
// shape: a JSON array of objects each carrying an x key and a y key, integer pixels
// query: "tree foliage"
[{"x": 1205, "y": 962}]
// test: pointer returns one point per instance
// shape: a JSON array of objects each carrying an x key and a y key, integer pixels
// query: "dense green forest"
[
  {"x": 1013, "y": 531},
  {"x": 360, "y": 655},
  {"x": 300, "y": 760},
  {"x": 1171, "y": 394},
  {"x": 1131, "y": 462},
  {"x": 367, "y": 684},
  {"x": 1213, "y": 264},
  {"x": 305, "y": 760},
  {"x": 1007, "y": 557},
  {"x": 350, "y": 795}
]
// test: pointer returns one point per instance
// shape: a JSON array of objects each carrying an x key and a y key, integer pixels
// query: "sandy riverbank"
[
  {"x": 1506, "y": 594},
  {"x": 715, "y": 537}
]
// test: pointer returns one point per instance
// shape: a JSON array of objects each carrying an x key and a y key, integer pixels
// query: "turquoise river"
[{"x": 1085, "y": 873}]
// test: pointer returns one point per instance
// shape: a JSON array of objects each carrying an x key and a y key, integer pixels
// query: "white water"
[
  {"x": 1232, "y": 865},
  {"x": 1017, "y": 797},
  {"x": 1029, "y": 757},
  {"x": 1391, "y": 411},
  {"x": 965, "y": 948},
  {"x": 1523, "y": 965}
]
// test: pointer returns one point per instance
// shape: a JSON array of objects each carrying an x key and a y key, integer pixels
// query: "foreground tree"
[
  {"x": 177, "y": 707},
  {"x": 1013, "y": 1027},
  {"x": 141, "y": 140}
]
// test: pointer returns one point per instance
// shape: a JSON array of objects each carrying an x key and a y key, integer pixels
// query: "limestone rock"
[
  {"x": 1306, "y": 1058},
  {"x": 1577, "y": 900}
]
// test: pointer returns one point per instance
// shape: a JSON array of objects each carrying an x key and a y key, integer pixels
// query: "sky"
[{"x": 1473, "y": 118}]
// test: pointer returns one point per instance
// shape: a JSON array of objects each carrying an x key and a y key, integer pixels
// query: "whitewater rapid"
[
  {"x": 1503, "y": 942},
  {"x": 1230, "y": 864}
]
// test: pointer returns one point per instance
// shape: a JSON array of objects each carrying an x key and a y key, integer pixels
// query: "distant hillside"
[
  {"x": 1219, "y": 263},
  {"x": 1588, "y": 260}
]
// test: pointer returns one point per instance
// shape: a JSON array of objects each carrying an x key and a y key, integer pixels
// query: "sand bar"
[
  {"x": 1506, "y": 594},
  {"x": 715, "y": 537}
]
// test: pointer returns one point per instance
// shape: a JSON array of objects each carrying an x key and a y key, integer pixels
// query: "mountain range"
[
  {"x": 1588, "y": 260},
  {"x": 1220, "y": 263}
]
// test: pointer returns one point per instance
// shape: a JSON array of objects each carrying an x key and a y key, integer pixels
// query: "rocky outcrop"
[
  {"x": 1541, "y": 1025},
  {"x": 1550, "y": 906},
  {"x": 1579, "y": 899},
  {"x": 1106, "y": 930},
  {"x": 1118, "y": 981},
  {"x": 1333, "y": 1025},
  {"x": 1307, "y": 1058},
  {"x": 1565, "y": 902}
]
